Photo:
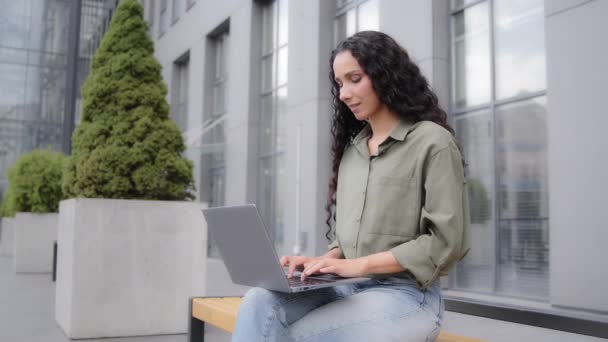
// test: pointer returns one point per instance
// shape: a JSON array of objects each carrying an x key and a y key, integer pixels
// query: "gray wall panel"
[{"x": 578, "y": 162}]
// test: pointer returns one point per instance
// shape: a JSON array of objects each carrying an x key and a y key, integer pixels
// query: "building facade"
[
  {"x": 253, "y": 77},
  {"x": 248, "y": 85},
  {"x": 46, "y": 47}
]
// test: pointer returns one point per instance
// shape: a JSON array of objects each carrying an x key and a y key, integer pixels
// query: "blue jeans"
[{"x": 391, "y": 309}]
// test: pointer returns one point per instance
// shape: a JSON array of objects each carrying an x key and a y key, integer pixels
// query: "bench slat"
[
  {"x": 221, "y": 312},
  {"x": 448, "y": 337}
]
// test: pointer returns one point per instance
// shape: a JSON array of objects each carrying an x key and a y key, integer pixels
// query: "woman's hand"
[
  {"x": 343, "y": 267},
  {"x": 296, "y": 263}
]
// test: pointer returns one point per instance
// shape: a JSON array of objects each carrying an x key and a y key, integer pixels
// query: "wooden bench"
[{"x": 221, "y": 313}]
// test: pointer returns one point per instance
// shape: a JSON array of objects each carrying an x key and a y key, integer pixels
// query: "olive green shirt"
[{"x": 410, "y": 200}]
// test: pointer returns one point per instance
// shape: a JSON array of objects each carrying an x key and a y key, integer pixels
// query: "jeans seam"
[{"x": 433, "y": 332}]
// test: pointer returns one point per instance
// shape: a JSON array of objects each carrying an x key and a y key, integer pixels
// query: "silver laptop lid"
[{"x": 245, "y": 246}]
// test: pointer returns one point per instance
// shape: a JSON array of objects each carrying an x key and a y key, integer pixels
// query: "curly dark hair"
[{"x": 399, "y": 85}]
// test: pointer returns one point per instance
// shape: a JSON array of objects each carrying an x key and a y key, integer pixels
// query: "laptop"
[{"x": 249, "y": 253}]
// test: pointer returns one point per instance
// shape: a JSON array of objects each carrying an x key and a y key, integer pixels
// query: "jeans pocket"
[
  {"x": 404, "y": 286},
  {"x": 395, "y": 281}
]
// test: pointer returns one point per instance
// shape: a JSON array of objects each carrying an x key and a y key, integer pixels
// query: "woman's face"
[{"x": 356, "y": 89}]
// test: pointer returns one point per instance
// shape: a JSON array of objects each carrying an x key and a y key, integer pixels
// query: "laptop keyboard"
[{"x": 297, "y": 281}]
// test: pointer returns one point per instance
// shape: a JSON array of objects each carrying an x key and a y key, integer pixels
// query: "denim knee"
[
  {"x": 258, "y": 296},
  {"x": 259, "y": 316}
]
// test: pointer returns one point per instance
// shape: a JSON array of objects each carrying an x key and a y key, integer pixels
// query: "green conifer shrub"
[
  {"x": 4, "y": 212},
  {"x": 126, "y": 146},
  {"x": 34, "y": 183}
]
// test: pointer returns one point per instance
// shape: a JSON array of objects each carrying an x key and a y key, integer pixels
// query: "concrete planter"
[
  {"x": 7, "y": 240},
  {"x": 34, "y": 238},
  {"x": 128, "y": 268}
]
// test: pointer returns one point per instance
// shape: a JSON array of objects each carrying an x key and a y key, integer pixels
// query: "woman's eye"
[{"x": 356, "y": 80}]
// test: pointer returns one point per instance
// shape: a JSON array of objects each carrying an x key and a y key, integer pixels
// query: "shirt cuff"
[
  {"x": 414, "y": 258},
  {"x": 333, "y": 245}
]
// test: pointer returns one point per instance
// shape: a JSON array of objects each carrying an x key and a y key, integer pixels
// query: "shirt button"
[{"x": 358, "y": 220}]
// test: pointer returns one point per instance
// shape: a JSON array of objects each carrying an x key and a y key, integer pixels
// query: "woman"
[{"x": 401, "y": 213}]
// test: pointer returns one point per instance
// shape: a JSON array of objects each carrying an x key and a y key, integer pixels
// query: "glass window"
[
  {"x": 179, "y": 112},
  {"x": 367, "y": 16},
  {"x": 268, "y": 27},
  {"x": 282, "y": 26},
  {"x": 500, "y": 121},
  {"x": 282, "y": 67},
  {"x": 521, "y": 162},
  {"x": 353, "y": 16},
  {"x": 268, "y": 71},
  {"x": 151, "y": 11},
  {"x": 461, "y": 3},
  {"x": 33, "y": 65},
  {"x": 162, "y": 18},
  {"x": 273, "y": 97},
  {"x": 474, "y": 133},
  {"x": 471, "y": 51},
  {"x": 520, "y": 63},
  {"x": 281, "y": 125},
  {"x": 267, "y": 124},
  {"x": 177, "y": 10},
  {"x": 213, "y": 163}
]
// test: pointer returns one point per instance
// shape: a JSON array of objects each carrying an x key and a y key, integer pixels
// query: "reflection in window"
[
  {"x": 474, "y": 132},
  {"x": 521, "y": 158},
  {"x": 213, "y": 163},
  {"x": 520, "y": 63},
  {"x": 32, "y": 77},
  {"x": 163, "y": 18},
  {"x": 150, "y": 10},
  {"x": 273, "y": 100},
  {"x": 500, "y": 120},
  {"x": 179, "y": 110},
  {"x": 471, "y": 51},
  {"x": 353, "y": 16}
]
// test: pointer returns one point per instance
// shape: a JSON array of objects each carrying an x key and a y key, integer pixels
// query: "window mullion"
[{"x": 496, "y": 199}]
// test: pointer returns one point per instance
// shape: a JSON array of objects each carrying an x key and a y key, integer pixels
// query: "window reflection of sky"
[{"x": 520, "y": 47}]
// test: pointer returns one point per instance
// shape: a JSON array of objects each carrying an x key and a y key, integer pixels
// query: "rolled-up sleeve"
[
  {"x": 443, "y": 220},
  {"x": 333, "y": 245}
]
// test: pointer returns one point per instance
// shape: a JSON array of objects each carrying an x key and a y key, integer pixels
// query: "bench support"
[{"x": 196, "y": 327}]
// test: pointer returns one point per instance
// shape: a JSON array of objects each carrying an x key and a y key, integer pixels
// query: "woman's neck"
[{"x": 382, "y": 123}]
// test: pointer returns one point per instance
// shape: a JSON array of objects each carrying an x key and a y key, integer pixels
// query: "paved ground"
[
  {"x": 27, "y": 303},
  {"x": 27, "y": 315}
]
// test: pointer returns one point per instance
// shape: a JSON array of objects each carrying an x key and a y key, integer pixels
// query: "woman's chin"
[{"x": 361, "y": 116}]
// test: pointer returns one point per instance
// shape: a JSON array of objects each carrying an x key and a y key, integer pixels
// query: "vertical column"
[
  {"x": 422, "y": 28},
  {"x": 72, "y": 72},
  {"x": 242, "y": 108},
  {"x": 309, "y": 112}
]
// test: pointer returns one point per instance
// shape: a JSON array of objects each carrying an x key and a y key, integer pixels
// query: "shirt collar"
[{"x": 399, "y": 132}]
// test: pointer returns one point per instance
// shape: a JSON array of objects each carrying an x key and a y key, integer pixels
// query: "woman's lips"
[{"x": 353, "y": 108}]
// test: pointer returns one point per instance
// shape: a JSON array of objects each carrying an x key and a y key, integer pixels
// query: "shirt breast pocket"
[{"x": 393, "y": 206}]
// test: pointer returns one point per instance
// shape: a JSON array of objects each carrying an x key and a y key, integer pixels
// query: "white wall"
[{"x": 577, "y": 69}]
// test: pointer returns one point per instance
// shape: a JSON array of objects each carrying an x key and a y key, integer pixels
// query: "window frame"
[{"x": 492, "y": 106}]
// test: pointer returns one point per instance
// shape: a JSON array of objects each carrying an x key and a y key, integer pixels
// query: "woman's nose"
[{"x": 344, "y": 94}]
